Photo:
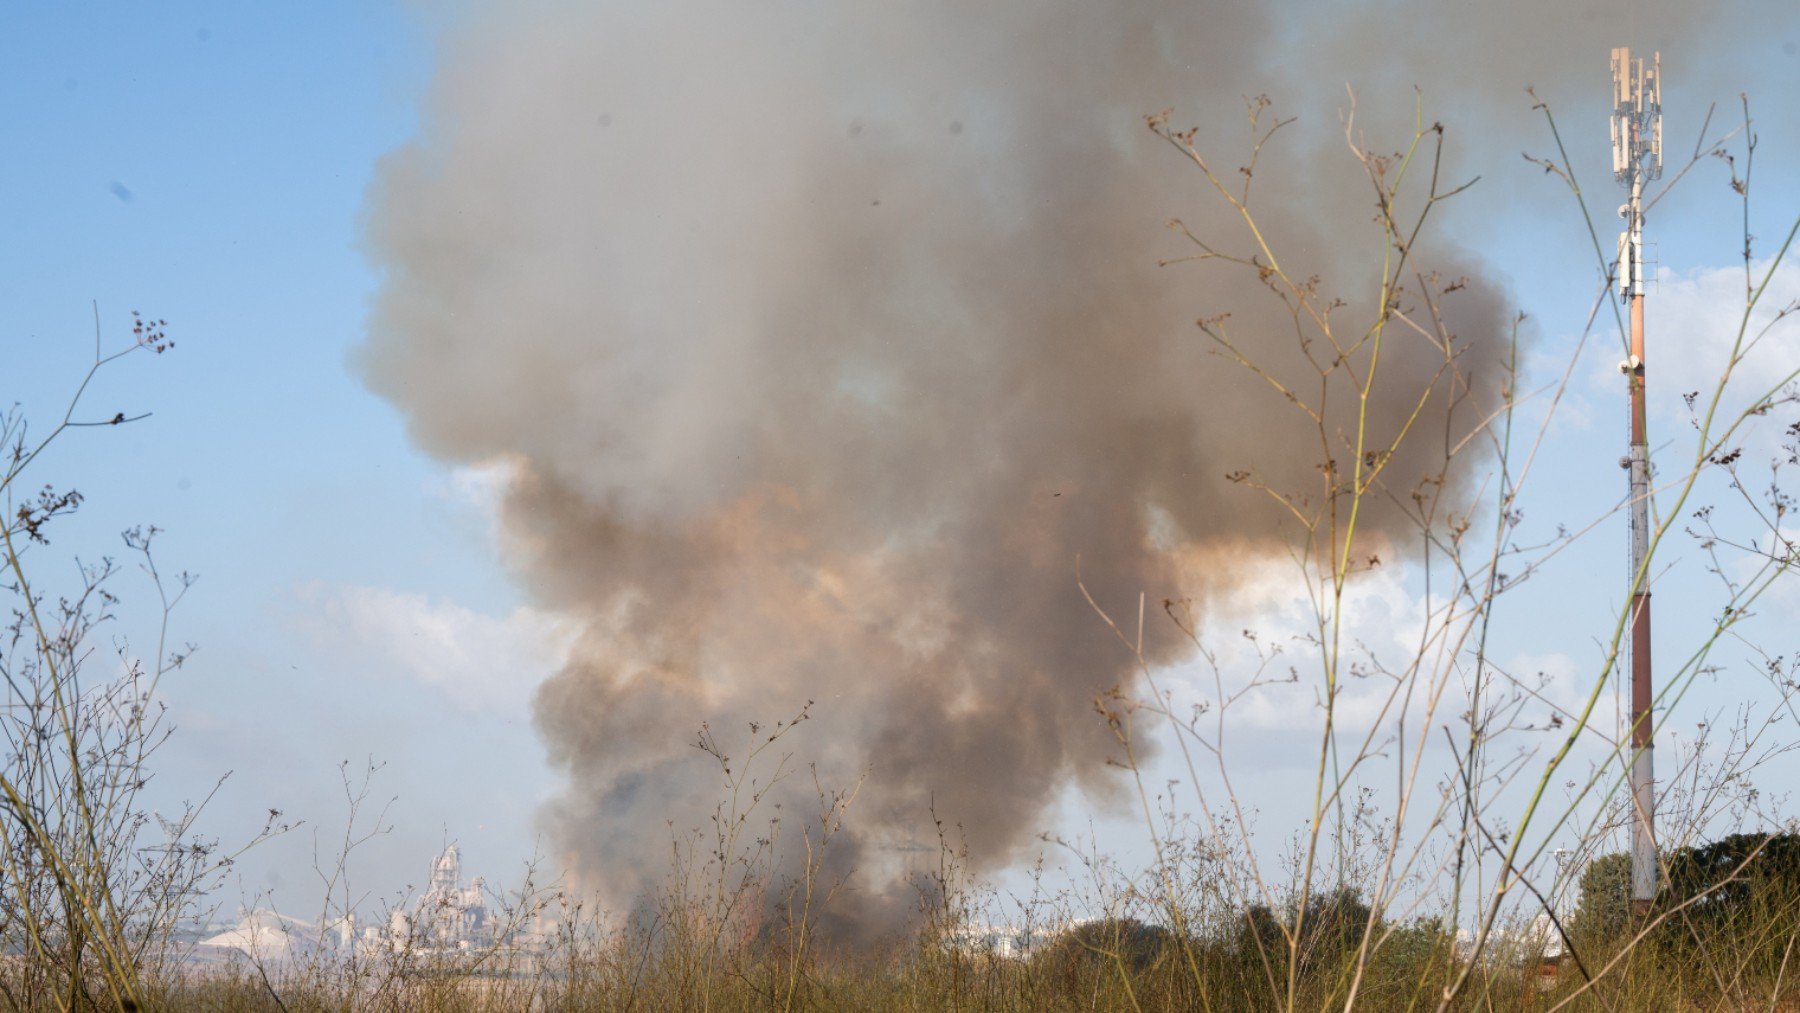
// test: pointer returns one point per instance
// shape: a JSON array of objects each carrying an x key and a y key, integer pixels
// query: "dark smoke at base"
[{"x": 822, "y": 341}]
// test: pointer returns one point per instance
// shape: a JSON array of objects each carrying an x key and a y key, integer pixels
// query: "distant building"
[
  {"x": 1532, "y": 942},
  {"x": 269, "y": 939},
  {"x": 448, "y": 915},
  {"x": 1007, "y": 942}
]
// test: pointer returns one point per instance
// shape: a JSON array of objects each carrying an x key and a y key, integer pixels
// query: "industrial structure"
[
  {"x": 1637, "y": 159},
  {"x": 447, "y": 916}
]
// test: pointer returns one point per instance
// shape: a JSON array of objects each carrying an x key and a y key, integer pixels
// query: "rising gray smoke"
[{"x": 824, "y": 339}]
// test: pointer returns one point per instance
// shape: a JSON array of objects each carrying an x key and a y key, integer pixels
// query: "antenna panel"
[
  {"x": 1621, "y": 74},
  {"x": 1637, "y": 116}
]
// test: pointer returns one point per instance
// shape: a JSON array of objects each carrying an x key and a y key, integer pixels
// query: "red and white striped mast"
[{"x": 1637, "y": 159}]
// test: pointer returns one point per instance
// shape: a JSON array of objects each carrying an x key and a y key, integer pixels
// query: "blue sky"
[{"x": 207, "y": 164}]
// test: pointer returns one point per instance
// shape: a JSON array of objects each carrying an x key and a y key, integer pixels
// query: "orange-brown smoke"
[{"x": 824, "y": 339}]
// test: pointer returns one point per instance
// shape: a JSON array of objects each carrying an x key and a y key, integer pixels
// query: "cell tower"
[{"x": 1637, "y": 159}]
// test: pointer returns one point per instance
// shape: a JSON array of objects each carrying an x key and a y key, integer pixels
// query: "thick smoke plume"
[{"x": 823, "y": 340}]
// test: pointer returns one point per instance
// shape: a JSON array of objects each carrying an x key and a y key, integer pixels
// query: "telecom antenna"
[{"x": 1637, "y": 159}]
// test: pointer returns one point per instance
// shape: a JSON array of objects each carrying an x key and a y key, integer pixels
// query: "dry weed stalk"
[
  {"x": 92, "y": 882},
  {"x": 1470, "y": 821}
]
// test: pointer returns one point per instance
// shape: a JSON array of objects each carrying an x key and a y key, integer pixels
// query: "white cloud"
[
  {"x": 482, "y": 486},
  {"x": 1269, "y": 610},
  {"x": 479, "y": 662},
  {"x": 1693, "y": 320},
  {"x": 1559, "y": 684},
  {"x": 477, "y": 492},
  {"x": 1388, "y": 624}
]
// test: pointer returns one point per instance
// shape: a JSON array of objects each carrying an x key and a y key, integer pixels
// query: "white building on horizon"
[{"x": 448, "y": 915}]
